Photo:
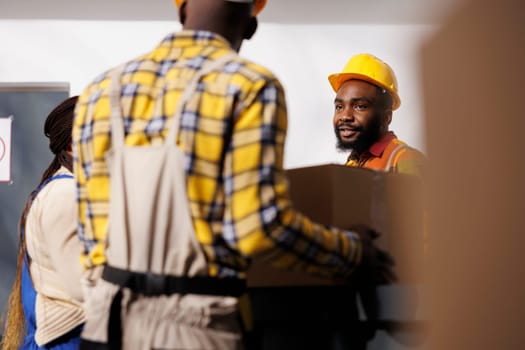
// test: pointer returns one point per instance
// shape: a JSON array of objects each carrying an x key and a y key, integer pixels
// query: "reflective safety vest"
[{"x": 396, "y": 157}]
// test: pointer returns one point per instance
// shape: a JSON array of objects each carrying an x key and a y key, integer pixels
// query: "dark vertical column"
[{"x": 474, "y": 76}]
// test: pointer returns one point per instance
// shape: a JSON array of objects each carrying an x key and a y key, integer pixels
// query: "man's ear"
[
  {"x": 182, "y": 13},
  {"x": 251, "y": 28},
  {"x": 388, "y": 117}
]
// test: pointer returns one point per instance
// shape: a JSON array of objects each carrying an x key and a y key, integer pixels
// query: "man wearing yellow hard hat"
[
  {"x": 166, "y": 266},
  {"x": 367, "y": 94}
]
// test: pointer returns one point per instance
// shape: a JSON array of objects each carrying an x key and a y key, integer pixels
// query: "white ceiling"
[{"x": 276, "y": 11}]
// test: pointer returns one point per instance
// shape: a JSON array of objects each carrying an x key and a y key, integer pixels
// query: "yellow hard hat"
[
  {"x": 257, "y": 6},
  {"x": 369, "y": 68}
]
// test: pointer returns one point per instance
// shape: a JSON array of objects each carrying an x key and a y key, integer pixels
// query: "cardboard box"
[{"x": 391, "y": 204}]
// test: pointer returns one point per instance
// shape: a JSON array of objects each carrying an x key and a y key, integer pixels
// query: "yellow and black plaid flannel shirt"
[{"x": 233, "y": 136}]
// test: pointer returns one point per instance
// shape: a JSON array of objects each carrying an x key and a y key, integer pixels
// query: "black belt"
[{"x": 151, "y": 284}]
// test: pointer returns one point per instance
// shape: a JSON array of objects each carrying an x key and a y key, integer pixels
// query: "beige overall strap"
[
  {"x": 392, "y": 156},
  {"x": 117, "y": 125}
]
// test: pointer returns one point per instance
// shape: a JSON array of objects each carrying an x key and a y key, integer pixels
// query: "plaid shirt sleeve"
[
  {"x": 90, "y": 140},
  {"x": 259, "y": 216}
]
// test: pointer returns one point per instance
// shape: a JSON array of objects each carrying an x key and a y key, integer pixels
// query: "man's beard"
[{"x": 366, "y": 138}]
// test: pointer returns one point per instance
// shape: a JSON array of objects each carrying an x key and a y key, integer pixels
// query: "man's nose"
[{"x": 347, "y": 114}]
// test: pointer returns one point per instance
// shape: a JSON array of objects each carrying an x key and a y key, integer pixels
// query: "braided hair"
[{"x": 57, "y": 128}]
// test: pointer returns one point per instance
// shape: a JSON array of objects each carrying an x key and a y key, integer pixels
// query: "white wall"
[{"x": 302, "y": 56}]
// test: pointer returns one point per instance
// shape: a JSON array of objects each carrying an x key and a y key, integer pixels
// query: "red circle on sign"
[{"x": 2, "y": 149}]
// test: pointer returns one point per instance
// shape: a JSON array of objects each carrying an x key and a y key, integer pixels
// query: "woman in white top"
[{"x": 45, "y": 304}]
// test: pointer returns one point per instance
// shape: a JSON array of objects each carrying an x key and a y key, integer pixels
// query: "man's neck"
[{"x": 375, "y": 148}]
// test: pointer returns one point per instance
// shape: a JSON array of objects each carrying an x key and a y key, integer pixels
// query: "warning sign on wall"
[{"x": 5, "y": 149}]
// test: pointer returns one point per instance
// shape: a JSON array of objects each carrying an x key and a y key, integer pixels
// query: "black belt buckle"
[{"x": 152, "y": 284}]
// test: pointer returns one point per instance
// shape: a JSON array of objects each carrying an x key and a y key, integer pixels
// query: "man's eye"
[
  {"x": 360, "y": 107},
  {"x": 338, "y": 107}
]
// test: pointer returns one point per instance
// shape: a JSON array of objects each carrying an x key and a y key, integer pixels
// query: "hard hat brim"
[
  {"x": 337, "y": 79},
  {"x": 258, "y": 6}
]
